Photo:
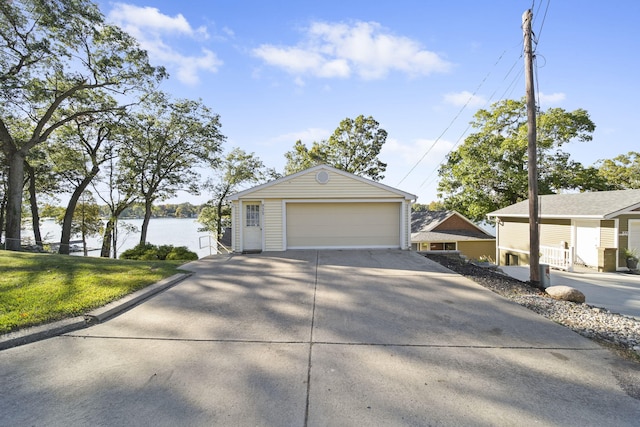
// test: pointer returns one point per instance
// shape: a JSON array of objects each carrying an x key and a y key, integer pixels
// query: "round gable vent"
[{"x": 322, "y": 177}]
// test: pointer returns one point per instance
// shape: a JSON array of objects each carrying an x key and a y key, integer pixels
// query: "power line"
[
  {"x": 454, "y": 118},
  {"x": 510, "y": 88}
]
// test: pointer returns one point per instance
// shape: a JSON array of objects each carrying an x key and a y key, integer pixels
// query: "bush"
[
  {"x": 149, "y": 252},
  {"x": 181, "y": 253}
]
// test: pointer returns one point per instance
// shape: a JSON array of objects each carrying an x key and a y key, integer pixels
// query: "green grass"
[{"x": 41, "y": 288}]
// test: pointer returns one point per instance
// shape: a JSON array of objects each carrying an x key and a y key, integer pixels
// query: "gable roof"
[
  {"x": 593, "y": 205},
  {"x": 425, "y": 223},
  {"x": 249, "y": 191}
]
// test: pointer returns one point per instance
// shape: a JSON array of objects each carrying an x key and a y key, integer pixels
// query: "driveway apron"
[{"x": 314, "y": 338}]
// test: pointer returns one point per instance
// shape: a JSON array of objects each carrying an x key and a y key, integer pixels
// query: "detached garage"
[{"x": 320, "y": 208}]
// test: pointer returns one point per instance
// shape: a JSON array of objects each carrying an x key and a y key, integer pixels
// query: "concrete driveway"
[
  {"x": 315, "y": 338},
  {"x": 617, "y": 292}
]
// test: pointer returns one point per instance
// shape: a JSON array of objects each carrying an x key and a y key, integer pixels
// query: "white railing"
[
  {"x": 215, "y": 247},
  {"x": 557, "y": 257}
]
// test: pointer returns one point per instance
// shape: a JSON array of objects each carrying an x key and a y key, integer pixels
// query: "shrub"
[
  {"x": 149, "y": 252},
  {"x": 181, "y": 253}
]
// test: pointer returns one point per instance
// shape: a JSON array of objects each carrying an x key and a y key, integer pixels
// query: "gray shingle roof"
[
  {"x": 449, "y": 236},
  {"x": 427, "y": 220},
  {"x": 596, "y": 205}
]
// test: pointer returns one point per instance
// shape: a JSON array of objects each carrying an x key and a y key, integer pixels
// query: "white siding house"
[{"x": 320, "y": 208}]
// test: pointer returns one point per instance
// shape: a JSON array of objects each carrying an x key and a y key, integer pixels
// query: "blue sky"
[{"x": 280, "y": 71}]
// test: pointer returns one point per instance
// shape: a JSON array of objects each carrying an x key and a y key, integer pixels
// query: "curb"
[
  {"x": 99, "y": 315},
  {"x": 102, "y": 313}
]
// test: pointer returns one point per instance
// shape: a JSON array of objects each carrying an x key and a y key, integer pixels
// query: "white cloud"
[
  {"x": 153, "y": 30},
  {"x": 307, "y": 136},
  {"x": 337, "y": 50},
  {"x": 411, "y": 152},
  {"x": 460, "y": 99},
  {"x": 553, "y": 98},
  {"x": 150, "y": 18}
]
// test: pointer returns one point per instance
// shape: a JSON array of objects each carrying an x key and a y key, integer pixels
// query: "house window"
[
  {"x": 253, "y": 215},
  {"x": 444, "y": 246}
]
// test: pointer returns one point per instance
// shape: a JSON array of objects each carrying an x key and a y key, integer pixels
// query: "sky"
[{"x": 281, "y": 71}]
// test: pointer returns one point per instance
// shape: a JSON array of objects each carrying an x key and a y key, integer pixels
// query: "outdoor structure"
[
  {"x": 320, "y": 208},
  {"x": 450, "y": 231},
  {"x": 590, "y": 229}
]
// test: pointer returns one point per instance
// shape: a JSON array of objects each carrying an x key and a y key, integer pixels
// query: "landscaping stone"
[{"x": 565, "y": 293}]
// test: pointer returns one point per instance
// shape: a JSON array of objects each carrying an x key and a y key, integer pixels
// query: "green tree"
[
  {"x": 237, "y": 168},
  {"x": 39, "y": 179},
  {"x": 622, "y": 172},
  {"x": 78, "y": 150},
  {"x": 489, "y": 170},
  {"x": 120, "y": 193},
  {"x": 86, "y": 221},
  {"x": 354, "y": 147},
  {"x": 167, "y": 140},
  {"x": 53, "y": 55},
  {"x": 432, "y": 206}
]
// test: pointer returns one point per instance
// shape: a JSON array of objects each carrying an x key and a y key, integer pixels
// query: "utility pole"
[{"x": 532, "y": 152}]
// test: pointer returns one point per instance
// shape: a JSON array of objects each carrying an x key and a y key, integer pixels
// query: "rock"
[{"x": 565, "y": 293}]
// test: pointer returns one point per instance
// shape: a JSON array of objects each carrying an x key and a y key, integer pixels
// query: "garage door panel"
[{"x": 343, "y": 225}]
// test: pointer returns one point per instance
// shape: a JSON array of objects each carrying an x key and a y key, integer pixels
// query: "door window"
[{"x": 253, "y": 215}]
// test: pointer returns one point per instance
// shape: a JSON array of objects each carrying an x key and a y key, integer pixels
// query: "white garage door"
[{"x": 343, "y": 225}]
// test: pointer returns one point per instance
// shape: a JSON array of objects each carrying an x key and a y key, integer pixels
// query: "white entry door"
[
  {"x": 587, "y": 242},
  {"x": 252, "y": 227}
]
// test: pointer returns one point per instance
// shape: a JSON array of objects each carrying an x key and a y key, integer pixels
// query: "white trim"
[
  {"x": 520, "y": 251},
  {"x": 502, "y": 216},
  {"x": 344, "y": 247},
  {"x": 233, "y": 231},
  {"x": 403, "y": 224},
  {"x": 497, "y": 222},
  {"x": 240, "y": 226},
  {"x": 628, "y": 209},
  {"x": 383, "y": 200},
  {"x": 284, "y": 225}
]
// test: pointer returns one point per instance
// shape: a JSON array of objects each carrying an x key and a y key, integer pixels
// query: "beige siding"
[
  {"x": 306, "y": 187},
  {"x": 334, "y": 225},
  {"x": 552, "y": 232},
  {"x": 273, "y": 219},
  {"x": 608, "y": 234},
  {"x": 478, "y": 249},
  {"x": 514, "y": 234}
]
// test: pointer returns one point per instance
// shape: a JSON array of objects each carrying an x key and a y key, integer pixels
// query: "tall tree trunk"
[
  {"x": 35, "y": 215},
  {"x": 3, "y": 207},
  {"x": 219, "y": 220},
  {"x": 15, "y": 159},
  {"x": 71, "y": 207},
  {"x": 145, "y": 222},
  {"x": 105, "y": 252}
]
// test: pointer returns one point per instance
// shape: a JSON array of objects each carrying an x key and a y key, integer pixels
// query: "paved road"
[
  {"x": 617, "y": 292},
  {"x": 310, "y": 338}
]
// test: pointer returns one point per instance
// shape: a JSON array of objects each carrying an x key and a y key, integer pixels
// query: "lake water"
[{"x": 162, "y": 231}]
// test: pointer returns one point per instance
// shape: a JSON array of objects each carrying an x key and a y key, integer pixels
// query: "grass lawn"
[{"x": 41, "y": 288}]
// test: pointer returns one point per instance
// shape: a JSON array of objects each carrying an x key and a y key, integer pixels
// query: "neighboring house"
[
  {"x": 450, "y": 231},
  {"x": 320, "y": 208},
  {"x": 585, "y": 228}
]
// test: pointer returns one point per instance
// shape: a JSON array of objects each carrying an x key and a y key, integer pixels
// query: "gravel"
[{"x": 611, "y": 329}]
